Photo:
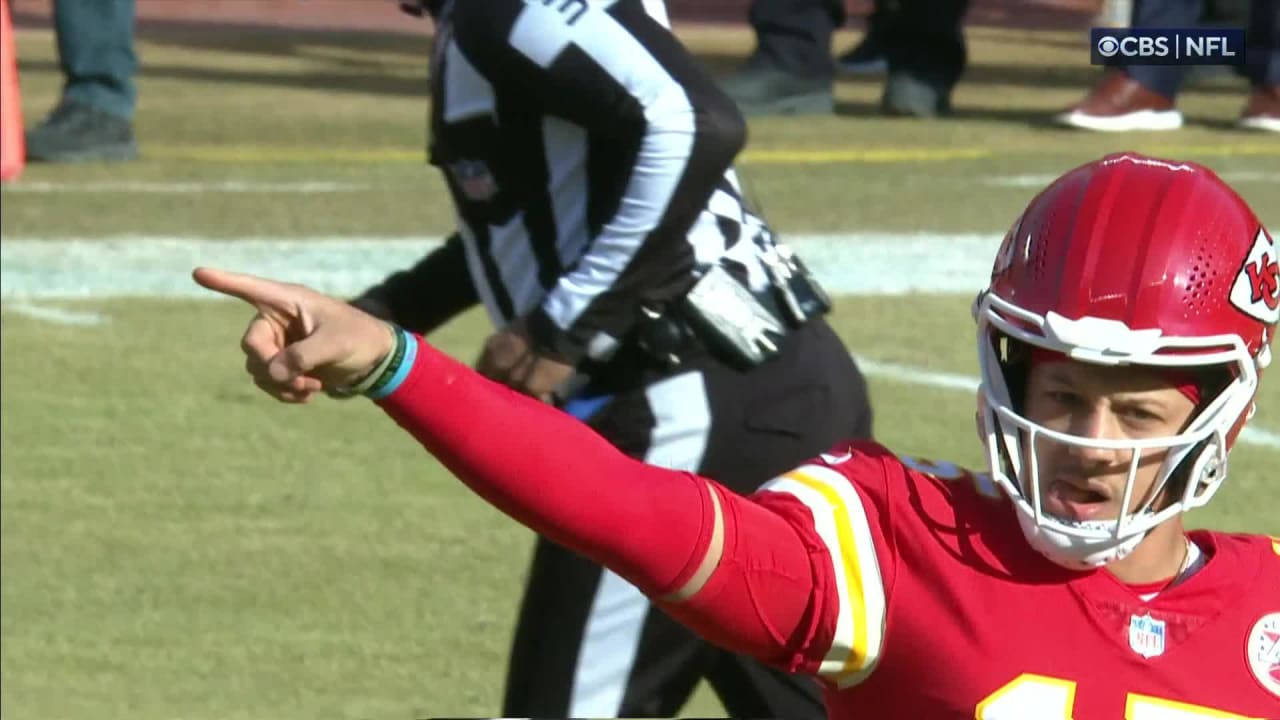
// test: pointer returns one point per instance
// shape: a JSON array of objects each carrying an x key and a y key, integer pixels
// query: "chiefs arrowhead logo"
[
  {"x": 1256, "y": 291},
  {"x": 1263, "y": 652}
]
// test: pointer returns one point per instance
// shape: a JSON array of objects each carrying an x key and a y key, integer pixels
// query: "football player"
[{"x": 1129, "y": 315}]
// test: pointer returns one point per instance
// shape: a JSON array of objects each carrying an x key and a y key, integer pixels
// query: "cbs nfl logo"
[{"x": 1167, "y": 46}]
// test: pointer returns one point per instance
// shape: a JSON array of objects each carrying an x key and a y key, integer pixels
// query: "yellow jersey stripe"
[
  {"x": 824, "y": 522},
  {"x": 868, "y": 568},
  {"x": 849, "y": 559},
  {"x": 841, "y": 523}
]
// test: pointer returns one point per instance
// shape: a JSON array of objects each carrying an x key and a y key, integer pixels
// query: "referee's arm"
[
  {"x": 425, "y": 296},
  {"x": 619, "y": 74}
]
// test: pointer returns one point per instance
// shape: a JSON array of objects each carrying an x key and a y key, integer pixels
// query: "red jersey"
[{"x": 933, "y": 605}]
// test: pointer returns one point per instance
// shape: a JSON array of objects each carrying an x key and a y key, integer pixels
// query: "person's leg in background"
[
  {"x": 791, "y": 70},
  {"x": 588, "y": 643},
  {"x": 1139, "y": 97},
  {"x": 1165, "y": 80},
  {"x": 868, "y": 56},
  {"x": 925, "y": 48},
  {"x": 1262, "y": 112},
  {"x": 94, "y": 119},
  {"x": 1218, "y": 14}
]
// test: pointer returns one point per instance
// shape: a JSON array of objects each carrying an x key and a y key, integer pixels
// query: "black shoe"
[
  {"x": 79, "y": 132},
  {"x": 766, "y": 90},
  {"x": 866, "y": 58},
  {"x": 906, "y": 95}
]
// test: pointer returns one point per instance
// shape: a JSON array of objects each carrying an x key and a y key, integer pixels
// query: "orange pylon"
[{"x": 13, "y": 150}]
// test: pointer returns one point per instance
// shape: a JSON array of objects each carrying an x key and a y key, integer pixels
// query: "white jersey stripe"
[
  {"x": 868, "y": 565},
  {"x": 565, "y": 148},
  {"x": 513, "y": 257},
  {"x": 467, "y": 92},
  {"x": 475, "y": 266},
  {"x": 664, "y": 150}
]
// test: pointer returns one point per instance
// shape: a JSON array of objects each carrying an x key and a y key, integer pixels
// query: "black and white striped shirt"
[{"x": 589, "y": 157}]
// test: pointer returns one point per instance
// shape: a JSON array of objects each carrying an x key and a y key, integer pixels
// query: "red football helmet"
[{"x": 1128, "y": 260}]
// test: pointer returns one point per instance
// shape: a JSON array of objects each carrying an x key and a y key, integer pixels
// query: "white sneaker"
[
  {"x": 1125, "y": 122},
  {"x": 1260, "y": 122},
  {"x": 1263, "y": 110}
]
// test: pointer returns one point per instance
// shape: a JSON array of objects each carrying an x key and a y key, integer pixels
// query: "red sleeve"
[
  {"x": 650, "y": 525},
  {"x": 768, "y": 595},
  {"x": 554, "y": 474},
  {"x": 800, "y": 582},
  {"x": 840, "y": 505},
  {"x": 781, "y": 591}
]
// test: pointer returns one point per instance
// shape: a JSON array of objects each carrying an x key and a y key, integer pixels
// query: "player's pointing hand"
[{"x": 301, "y": 341}]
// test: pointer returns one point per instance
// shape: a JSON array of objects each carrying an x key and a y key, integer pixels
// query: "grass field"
[{"x": 175, "y": 545}]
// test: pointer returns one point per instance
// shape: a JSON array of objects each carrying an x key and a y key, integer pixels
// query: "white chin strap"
[{"x": 1074, "y": 552}]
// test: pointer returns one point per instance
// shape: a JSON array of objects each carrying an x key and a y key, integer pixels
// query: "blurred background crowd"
[{"x": 917, "y": 45}]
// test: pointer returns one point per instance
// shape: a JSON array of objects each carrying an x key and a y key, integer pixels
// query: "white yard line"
[
  {"x": 143, "y": 266},
  {"x": 969, "y": 384},
  {"x": 57, "y": 316},
  {"x": 34, "y": 269},
  {"x": 917, "y": 376}
]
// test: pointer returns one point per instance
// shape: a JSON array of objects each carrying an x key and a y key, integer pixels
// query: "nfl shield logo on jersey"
[
  {"x": 474, "y": 179},
  {"x": 1146, "y": 635},
  {"x": 1263, "y": 651}
]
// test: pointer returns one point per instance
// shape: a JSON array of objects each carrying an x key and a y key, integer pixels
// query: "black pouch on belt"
[{"x": 732, "y": 321}]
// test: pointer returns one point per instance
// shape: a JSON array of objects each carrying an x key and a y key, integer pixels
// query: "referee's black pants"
[{"x": 588, "y": 644}]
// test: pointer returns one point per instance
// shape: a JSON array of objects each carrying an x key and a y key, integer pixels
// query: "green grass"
[{"x": 175, "y": 545}]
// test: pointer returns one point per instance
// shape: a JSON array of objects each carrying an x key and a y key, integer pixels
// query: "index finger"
[{"x": 257, "y": 291}]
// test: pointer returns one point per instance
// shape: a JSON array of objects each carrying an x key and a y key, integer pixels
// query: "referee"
[{"x": 601, "y": 224}]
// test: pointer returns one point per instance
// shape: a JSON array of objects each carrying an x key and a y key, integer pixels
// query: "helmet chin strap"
[{"x": 1075, "y": 553}]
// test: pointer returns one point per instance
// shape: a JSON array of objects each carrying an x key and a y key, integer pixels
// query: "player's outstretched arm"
[{"x": 731, "y": 569}]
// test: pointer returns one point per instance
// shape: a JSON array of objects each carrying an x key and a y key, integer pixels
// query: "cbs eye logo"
[{"x": 1108, "y": 47}]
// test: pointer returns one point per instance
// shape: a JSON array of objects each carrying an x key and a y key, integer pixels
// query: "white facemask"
[{"x": 1010, "y": 438}]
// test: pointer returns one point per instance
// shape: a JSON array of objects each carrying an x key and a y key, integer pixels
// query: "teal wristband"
[{"x": 395, "y": 372}]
